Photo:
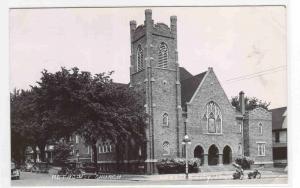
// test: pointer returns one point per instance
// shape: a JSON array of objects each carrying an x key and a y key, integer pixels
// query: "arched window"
[
  {"x": 260, "y": 128},
  {"x": 166, "y": 148},
  {"x": 240, "y": 149},
  {"x": 213, "y": 118},
  {"x": 140, "y": 58},
  {"x": 165, "y": 119},
  {"x": 163, "y": 55}
]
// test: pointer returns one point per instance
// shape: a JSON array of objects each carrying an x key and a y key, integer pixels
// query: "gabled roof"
[
  {"x": 278, "y": 117},
  {"x": 189, "y": 86},
  {"x": 184, "y": 74}
]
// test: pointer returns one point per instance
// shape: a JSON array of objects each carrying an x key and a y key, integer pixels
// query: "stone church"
[{"x": 180, "y": 104}]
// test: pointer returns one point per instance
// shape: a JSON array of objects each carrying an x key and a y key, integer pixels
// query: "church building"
[{"x": 180, "y": 104}]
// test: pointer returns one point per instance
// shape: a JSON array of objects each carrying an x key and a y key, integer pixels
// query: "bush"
[
  {"x": 177, "y": 165},
  {"x": 244, "y": 162}
]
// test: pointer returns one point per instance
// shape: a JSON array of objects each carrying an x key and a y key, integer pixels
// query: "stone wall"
[
  {"x": 255, "y": 117},
  {"x": 211, "y": 90}
]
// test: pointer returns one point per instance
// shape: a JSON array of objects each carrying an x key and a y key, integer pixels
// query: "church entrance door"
[
  {"x": 227, "y": 155},
  {"x": 213, "y": 157},
  {"x": 199, "y": 153}
]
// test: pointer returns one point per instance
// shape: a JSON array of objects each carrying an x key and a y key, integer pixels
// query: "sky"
[{"x": 246, "y": 46}]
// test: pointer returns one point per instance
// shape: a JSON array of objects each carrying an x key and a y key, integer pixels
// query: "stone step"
[{"x": 216, "y": 168}]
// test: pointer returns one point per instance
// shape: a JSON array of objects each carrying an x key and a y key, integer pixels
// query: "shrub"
[
  {"x": 177, "y": 165},
  {"x": 244, "y": 162}
]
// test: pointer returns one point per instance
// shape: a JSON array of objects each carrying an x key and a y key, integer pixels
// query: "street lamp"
[{"x": 186, "y": 140}]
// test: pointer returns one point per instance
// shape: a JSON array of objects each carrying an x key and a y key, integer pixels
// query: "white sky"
[{"x": 235, "y": 41}]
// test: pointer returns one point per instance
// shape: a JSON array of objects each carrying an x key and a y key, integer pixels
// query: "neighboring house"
[
  {"x": 178, "y": 104},
  {"x": 279, "y": 135}
]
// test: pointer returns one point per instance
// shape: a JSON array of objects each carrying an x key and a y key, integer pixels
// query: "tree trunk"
[
  {"x": 34, "y": 154},
  {"x": 94, "y": 153}
]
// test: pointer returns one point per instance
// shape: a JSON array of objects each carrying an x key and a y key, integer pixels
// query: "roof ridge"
[{"x": 194, "y": 76}]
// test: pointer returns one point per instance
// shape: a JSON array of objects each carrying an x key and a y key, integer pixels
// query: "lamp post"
[{"x": 186, "y": 140}]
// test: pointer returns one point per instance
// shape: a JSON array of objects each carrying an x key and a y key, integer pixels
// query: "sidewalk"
[{"x": 224, "y": 175}]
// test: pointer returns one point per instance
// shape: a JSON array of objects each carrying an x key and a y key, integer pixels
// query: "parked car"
[
  {"x": 27, "y": 167},
  {"x": 67, "y": 169},
  {"x": 85, "y": 170},
  {"x": 15, "y": 173},
  {"x": 41, "y": 167}
]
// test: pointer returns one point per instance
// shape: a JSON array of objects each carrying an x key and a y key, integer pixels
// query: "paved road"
[{"x": 33, "y": 179}]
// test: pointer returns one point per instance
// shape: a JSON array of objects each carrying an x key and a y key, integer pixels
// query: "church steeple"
[{"x": 154, "y": 70}]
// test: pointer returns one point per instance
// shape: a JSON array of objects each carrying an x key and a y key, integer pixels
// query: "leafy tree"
[
  {"x": 24, "y": 129},
  {"x": 91, "y": 105},
  {"x": 61, "y": 152},
  {"x": 250, "y": 103}
]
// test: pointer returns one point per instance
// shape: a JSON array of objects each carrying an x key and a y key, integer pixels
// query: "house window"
[
  {"x": 260, "y": 128},
  {"x": 166, "y": 148},
  {"x": 76, "y": 139},
  {"x": 163, "y": 55},
  {"x": 106, "y": 148},
  {"x": 100, "y": 149},
  {"x": 261, "y": 149},
  {"x": 140, "y": 58},
  {"x": 277, "y": 136},
  {"x": 240, "y": 149},
  {"x": 165, "y": 120},
  {"x": 110, "y": 148},
  {"x": 213, "y": 118},
  {"x": 241, "y": 127}
]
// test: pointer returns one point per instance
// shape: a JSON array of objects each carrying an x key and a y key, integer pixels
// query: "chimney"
[{"x": 242, "y": 102}]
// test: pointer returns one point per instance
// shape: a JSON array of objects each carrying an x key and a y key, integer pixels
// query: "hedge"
[
  {"x": 244, "y": 162},
  {"x": 177, "y": 165}
]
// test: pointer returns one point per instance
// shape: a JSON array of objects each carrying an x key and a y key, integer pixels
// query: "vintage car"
[
  {"x": 85, "y": 170},
  {"x": 15, "y": 173},
  {"x": 67, "y": 170},
  {"x": 27, "y": 167},
  {"x": 41, "y": 167}
]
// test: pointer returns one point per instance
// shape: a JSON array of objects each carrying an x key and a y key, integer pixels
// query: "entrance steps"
[{"x": 217, "y": 168}]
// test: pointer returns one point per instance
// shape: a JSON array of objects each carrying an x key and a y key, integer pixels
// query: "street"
[{"x": 33, "y": 179}]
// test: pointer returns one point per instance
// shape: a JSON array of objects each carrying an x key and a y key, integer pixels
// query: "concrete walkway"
[{"x": 224, "y": 175}]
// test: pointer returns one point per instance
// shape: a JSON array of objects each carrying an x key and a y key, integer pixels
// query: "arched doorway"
[
  {"x": 213, "y": 157},
  {"x": 227, "y": 155},
  {"x": 199, "y": 153}
]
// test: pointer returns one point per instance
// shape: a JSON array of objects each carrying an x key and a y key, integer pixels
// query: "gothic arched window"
[
  {"x": 213, "y": 118},
  {"x": 163, "y": 55},
  {"x": 166, "y": 148},
  {"x": 165, "y": 119},
  {"x": 140, "y": 58},
  {"x": 260, "y": 128}
]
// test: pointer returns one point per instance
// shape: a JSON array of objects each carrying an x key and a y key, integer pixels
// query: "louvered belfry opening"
[
  {"x": 140, "y": 56},
  {"x": 163, "y": 55}
]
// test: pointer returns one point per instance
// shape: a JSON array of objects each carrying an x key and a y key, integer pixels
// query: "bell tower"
[{"x": 154, "y": 70}]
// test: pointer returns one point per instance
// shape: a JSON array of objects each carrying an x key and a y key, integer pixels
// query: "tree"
[
  {"x": 91, "y": 105},
  {"x": 250, "y": 103},
  {"x": 24, "y": 129},
  {"x": 61, "y": 152}
]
